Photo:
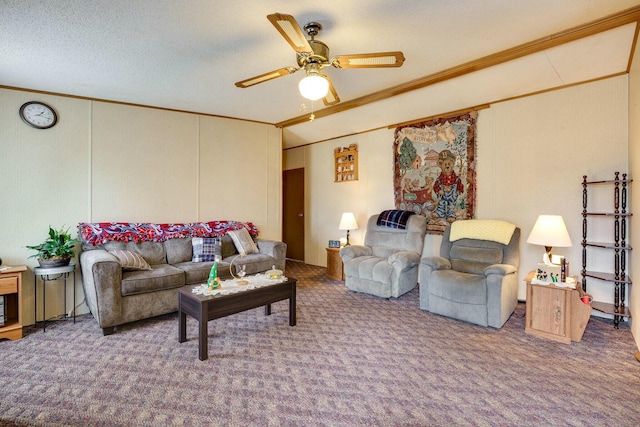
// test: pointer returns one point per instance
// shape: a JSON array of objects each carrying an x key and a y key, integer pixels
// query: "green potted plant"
[{"x": 57, "y": 250}]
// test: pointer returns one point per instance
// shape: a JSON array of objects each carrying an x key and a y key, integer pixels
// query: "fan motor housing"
[{"x": 320, "y": 53}]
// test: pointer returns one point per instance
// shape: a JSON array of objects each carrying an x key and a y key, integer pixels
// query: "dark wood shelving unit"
[{"x": 619, "y": 245}]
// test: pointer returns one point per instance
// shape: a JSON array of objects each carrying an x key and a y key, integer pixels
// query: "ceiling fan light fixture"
[
  {"x": 313, "y": 87},
  {"x": 313, "y": 56}
]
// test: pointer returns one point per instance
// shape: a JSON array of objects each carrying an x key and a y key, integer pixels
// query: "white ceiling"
[{"x": 187, "y": 55}]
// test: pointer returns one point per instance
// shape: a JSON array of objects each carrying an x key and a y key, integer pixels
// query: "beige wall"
[
  {"x": 634, "y": 169},
  {"x": 326, "y": 199},
  {"x": 531, "y": 155},
  {"x": 144, "y": 164},
  {"x": 112, "y": 162}
]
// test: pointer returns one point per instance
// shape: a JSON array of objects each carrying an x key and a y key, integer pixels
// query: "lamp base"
[{"x": 546, "y": 258}]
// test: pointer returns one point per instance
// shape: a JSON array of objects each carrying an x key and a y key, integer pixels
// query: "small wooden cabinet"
[
  {"x": 346, "y": 163},
  {"x": 555, "y": 313},
  {"x": 335, "y": 270},
  {"x": 11, "y": 290}
]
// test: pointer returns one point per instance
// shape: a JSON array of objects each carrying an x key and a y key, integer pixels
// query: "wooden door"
[{"x": 293, "y": 213}]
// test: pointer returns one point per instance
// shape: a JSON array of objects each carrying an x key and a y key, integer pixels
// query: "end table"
[
  {"x": 555, "y": 313},
  {"x": 11, "y": 293},
  {"x": 50, "y": 275},
  {"x": 335, "y": 269}
]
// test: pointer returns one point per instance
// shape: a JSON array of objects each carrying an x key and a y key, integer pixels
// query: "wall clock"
[{"x": 38, "y": 114}]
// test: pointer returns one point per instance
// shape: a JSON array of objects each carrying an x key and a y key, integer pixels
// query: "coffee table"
[{"x": 208, "y": 307}]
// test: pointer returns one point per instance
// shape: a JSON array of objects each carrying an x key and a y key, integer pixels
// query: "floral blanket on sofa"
[{"x": 97, "y": 233}]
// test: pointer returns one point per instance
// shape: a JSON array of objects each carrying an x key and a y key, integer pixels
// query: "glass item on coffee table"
[
  {"x": 274, "y": 273},
  {"x": 241, "y": 271}
]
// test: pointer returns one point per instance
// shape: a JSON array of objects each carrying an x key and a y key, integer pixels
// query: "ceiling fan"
[{"x": 313, "y": 56}]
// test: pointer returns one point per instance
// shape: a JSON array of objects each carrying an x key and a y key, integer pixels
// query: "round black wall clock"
[{"x": 38, "y": 115}]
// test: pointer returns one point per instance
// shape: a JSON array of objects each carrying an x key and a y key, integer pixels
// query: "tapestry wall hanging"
[{"x": 434, "y": 169}]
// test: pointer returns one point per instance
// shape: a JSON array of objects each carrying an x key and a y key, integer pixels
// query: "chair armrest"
[
  {"x": 436, "y": 262},
  {"x": 354, "y": 251},
  {"x": 101, "y": 282},
  {"x": 276, "y": 249},
  {"x": 501, "y": 269},
  {"x": 404, "y": 260}
]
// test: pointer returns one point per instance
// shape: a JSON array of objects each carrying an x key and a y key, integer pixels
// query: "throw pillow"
[
  {"x": 228, "y": 248},
  {"x": 205, "y": 249},
  {"x": 130, "y": 260},
  {"x": 243, "y": 242}
]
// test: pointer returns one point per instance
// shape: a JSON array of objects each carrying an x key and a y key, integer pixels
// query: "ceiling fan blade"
[
  {"x": 332, "y": 96},
  {"x": 266, "y": 77},
  {"x": 369, "y": 60},
  {"x": 290, "y": 30}
]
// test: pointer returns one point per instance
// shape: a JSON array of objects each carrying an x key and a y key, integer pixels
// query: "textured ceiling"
[{"x": 187, "y": 55}]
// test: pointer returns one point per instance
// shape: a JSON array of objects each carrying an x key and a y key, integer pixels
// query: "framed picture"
[{"x": 334, "y": 243}]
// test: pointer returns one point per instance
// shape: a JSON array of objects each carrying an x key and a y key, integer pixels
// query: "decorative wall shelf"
[{"x": 346, "y": 163}]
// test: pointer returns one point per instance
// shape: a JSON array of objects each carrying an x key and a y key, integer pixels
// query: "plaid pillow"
[{"x": 205, "y": 249}]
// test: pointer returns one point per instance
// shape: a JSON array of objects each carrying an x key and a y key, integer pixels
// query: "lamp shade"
[
  {"x": 550, "y": 231},
  {"x": 313, "y": 87},
  {"x": 348, "y": 222}
]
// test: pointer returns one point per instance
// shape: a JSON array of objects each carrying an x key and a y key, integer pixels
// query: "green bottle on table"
[{"x": 213, "y": 282}]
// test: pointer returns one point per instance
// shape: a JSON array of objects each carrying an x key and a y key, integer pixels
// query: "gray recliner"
[
  {"x": 473, "y": 279},
  {"x": 387, "y": 264}
]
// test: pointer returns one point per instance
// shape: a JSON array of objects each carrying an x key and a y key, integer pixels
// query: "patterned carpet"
[{"x": 352, "y": 360}]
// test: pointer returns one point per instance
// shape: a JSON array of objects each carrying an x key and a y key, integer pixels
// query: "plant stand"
[{"x": 49, "y": 275}]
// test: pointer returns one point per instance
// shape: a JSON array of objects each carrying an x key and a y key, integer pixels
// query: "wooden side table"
[
  {"x": 335, "y": 270},
  {"x": 555, "y": 313},
  {"x": 11, "y": 290}
]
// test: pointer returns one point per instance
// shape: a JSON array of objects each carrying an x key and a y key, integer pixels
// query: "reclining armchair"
[
  {"x": 475, "y": 278},
  {"x": 387, "y": 264}
]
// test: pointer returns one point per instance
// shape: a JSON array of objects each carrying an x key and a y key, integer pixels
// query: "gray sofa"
[{"x": 116, "y": 296}]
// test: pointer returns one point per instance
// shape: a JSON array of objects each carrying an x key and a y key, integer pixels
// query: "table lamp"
[
  {"x": 549, "y": 231},
  {"x": 348, "y": 222}
]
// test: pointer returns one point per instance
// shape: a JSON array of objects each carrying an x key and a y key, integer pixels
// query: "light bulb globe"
[{"x": 313, "y": 87}]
